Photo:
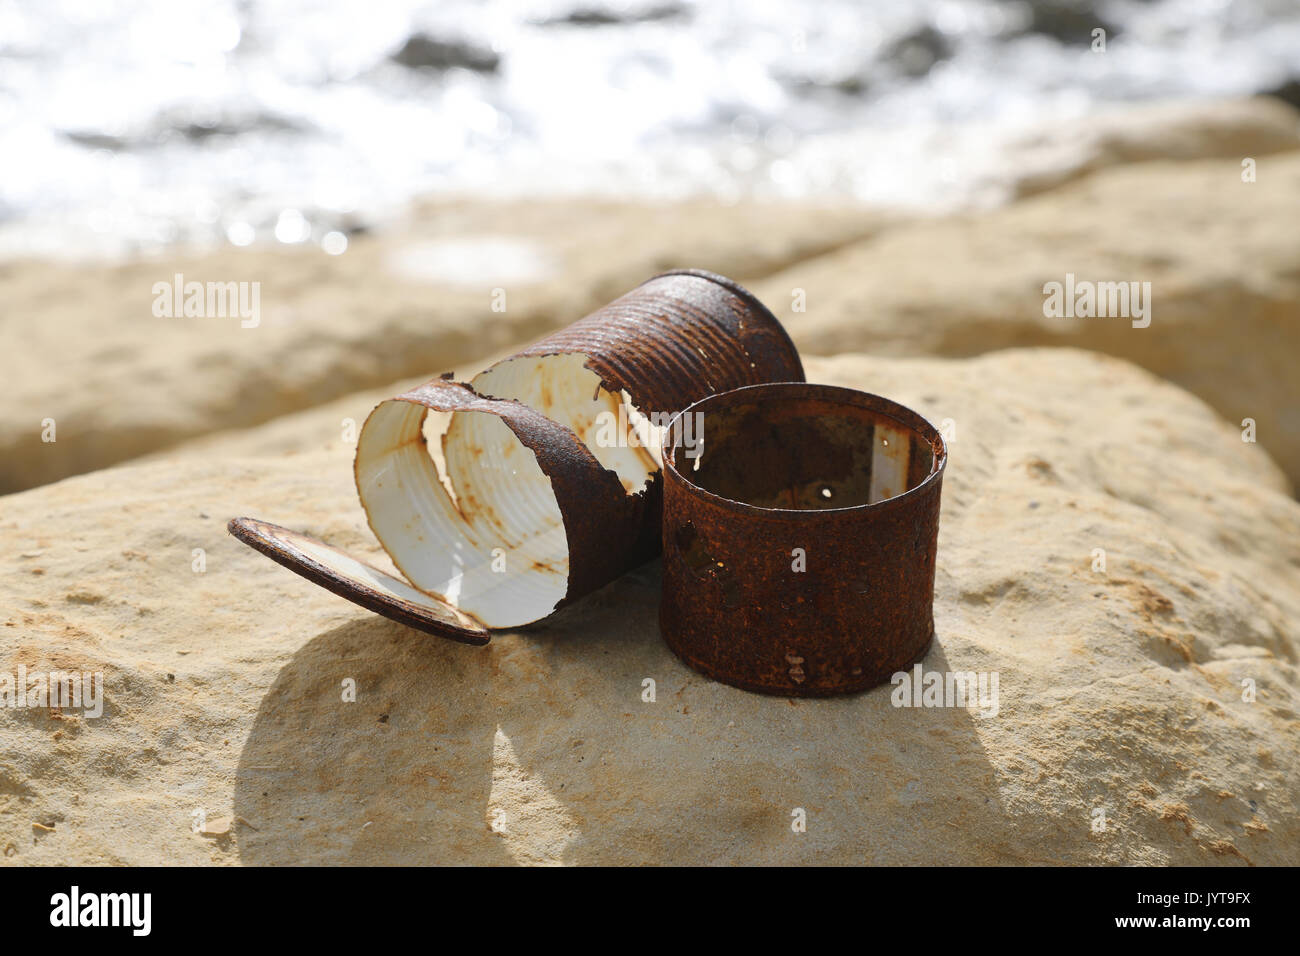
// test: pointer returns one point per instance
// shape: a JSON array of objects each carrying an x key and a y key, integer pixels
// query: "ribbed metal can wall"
[{"x": 677, "y": 338}]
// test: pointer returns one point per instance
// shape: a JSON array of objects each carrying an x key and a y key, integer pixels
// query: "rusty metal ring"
[{"x": 800, "y": 538}]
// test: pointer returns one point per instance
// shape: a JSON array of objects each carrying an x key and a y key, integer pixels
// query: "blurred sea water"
[{"x": 137, "y": 125}]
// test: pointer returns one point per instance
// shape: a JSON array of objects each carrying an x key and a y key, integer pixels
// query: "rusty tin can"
[
  {"x": 799, "y": 539},
  {"x": 523, "y": 503},
  {"x": 676, "y": 338}
]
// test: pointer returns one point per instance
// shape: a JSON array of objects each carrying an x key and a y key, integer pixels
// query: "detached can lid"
[{"x": 359, "y": 582}]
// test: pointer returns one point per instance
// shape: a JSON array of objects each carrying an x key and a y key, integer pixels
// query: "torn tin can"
[
  {"x": 800, "y": 537},
  {"x": 545, "y": 483}
]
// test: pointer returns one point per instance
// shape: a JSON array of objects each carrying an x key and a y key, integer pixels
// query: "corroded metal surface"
[
  {"x": 673, "y": 340},
  {"x": 799, "y": 555},
  {"x": 678, "y": 338}
]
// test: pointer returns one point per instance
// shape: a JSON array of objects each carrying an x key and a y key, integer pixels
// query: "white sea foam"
[{"x": 137, "y": 124}]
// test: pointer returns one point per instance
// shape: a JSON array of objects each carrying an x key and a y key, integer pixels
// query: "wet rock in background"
[{"x": 422, "y": 51}]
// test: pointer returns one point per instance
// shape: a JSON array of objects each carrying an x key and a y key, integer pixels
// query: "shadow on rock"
[{"x": 583, "y": 740}]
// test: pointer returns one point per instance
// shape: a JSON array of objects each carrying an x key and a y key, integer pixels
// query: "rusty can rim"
[{"x": 802, "y": 390}]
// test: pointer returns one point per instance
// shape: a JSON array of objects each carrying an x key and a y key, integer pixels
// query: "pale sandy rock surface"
[
  {"x": 1222, "y": 257},
  {"x": 1120, "y": 690},
  {"x": 1068, "y": 149},
  {"x": 120, "y": 382}
]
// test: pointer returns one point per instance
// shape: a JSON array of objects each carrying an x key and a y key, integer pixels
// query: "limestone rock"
[
  {"x": 1120, "y": 690},
  {"x": 1220, "y": 255},
  {"x": 1067, "y": 149},
  {"x": 462, "y": 280}
]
